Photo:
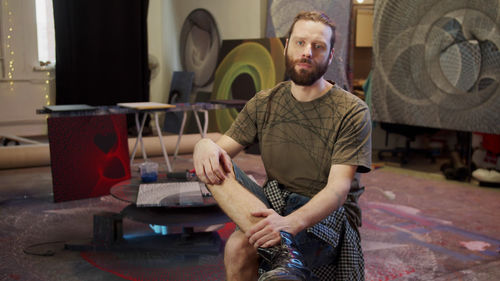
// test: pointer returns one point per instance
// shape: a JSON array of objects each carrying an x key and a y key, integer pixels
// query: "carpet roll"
[{"x": 33, "y": 155}]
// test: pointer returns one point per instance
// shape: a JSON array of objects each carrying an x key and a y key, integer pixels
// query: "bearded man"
[{"x": 314, "y": 139}]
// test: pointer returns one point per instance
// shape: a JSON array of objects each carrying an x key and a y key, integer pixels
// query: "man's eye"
[
  {"x": 300, "y": 43},
  {"x": 318, "y": 46}
]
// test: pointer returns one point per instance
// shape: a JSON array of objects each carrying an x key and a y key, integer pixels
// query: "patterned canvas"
[{"x": 437, "y": 64}]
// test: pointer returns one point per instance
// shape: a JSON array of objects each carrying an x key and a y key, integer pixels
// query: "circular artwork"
[
  {"x": 199, "y": 46},
  {"x": 437, "y": 64},
  {"x": 258, "y": 64}
]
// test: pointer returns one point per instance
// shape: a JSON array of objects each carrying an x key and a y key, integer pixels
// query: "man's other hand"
[{"x": 266, "y": 233}]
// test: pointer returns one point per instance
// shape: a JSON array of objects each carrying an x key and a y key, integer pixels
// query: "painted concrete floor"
[{"x": 416, "y": 226}]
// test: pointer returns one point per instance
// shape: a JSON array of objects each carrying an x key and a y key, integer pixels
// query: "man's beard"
[{"x": 304, "y": 77}]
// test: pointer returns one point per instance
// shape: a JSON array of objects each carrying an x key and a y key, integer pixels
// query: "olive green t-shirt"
[{"x": 300, "y": 141}]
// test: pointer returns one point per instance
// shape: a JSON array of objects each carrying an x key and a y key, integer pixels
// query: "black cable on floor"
[{"x": 46, "y": 253}]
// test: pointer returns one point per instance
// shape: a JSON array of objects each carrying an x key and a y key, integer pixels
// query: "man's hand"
[
  {"x": 266, "y": 233},
  {"x": 211, "y": 162}
]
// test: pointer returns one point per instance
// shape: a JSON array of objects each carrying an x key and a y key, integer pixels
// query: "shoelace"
[{"x": 285, "y": 254}]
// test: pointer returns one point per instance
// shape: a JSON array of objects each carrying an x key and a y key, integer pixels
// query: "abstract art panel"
[
  {"x": 437, "y": 64},
  {"x": 245, "y": 67}
]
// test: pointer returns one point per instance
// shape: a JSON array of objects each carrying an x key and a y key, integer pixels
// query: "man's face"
[{"x": 307, "y": 53}]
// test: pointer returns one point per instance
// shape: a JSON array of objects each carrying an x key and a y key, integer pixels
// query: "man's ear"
[
  {"x": 286, "y": 46},
  {"x": 330, "y": 57}
]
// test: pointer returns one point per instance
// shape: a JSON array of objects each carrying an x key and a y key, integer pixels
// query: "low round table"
[
  {"x": 187, "y": 216},
  {"x": 108, "y": 226}
]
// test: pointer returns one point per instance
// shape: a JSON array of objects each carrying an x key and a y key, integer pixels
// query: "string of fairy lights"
[
  {"x": 46, "y": 88},
  {"x": 8, "y": 46},
  {"x": 9, "y": 40}
]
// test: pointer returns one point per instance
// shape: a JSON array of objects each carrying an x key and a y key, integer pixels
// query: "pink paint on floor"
[{"x": 388, "y": 272}]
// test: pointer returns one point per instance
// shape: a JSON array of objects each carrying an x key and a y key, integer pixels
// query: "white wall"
[{"x": 155, "y": 43}]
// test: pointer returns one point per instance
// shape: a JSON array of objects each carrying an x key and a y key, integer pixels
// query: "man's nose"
[{"x": 307, "y": 51}]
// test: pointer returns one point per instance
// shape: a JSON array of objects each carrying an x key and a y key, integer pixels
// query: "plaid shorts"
[{"x": 331, "y": 248}]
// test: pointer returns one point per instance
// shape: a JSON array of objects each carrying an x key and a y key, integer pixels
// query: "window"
[
  {"x": 26, "y": 38},
  {"x": 45, "y": 32}
]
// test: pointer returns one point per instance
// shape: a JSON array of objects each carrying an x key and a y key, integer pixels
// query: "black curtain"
[{"x": 101, "y": 51}]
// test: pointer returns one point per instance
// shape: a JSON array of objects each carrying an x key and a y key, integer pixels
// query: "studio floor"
[{"x": 416, "y": 226}]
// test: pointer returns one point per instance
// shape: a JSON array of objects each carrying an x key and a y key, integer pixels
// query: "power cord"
[{"x": 44, "y": 253}]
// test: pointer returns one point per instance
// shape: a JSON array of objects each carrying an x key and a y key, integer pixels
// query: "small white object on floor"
[
  {"x": 485, "y": 175},
  {"x": 476, "y": 246},
  {"x": 389, "y": 194}
]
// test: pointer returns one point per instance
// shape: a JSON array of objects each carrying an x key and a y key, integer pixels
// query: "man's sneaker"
[{"x": 285, "y": 261}]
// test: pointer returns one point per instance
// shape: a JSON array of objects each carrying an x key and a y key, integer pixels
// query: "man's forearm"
[
  {"x": 229, "y": 145},
  {"x": 319, "y": 207},
  {"x": 329, "y": 199}
]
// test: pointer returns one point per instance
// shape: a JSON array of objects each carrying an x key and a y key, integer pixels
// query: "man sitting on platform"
[{"x": 314, "y": 137}]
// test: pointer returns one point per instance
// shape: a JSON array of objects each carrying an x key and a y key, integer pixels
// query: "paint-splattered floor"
[
  {"x": 416, "y": 226},
  {"x": 431, "y": 228}
]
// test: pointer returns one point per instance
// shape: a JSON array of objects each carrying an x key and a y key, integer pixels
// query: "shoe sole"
[{"x": 263, "y": 277}]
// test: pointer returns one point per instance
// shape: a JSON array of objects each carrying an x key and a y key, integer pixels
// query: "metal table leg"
[
  {"x": 181, "y": 131},
  {"x": 139, "y": 138},
  {"x": 164, "y": 150}
]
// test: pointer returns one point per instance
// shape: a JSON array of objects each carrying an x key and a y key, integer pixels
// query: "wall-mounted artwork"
[
  {"x": 245, "y": 67},
  {"x": 437, "y": 64},
  {"x": 282, "y": 12},
  {"x": 199, "y": 46},
  {"x": 200, "y": 43}
]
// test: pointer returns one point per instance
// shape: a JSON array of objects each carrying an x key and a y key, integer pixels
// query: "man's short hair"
[{"x": 316, "y": 16}]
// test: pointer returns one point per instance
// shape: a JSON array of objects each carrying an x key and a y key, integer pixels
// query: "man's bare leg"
[
  {"x": 237, "y": 202},
  {"x": 240, "y": 258}
]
